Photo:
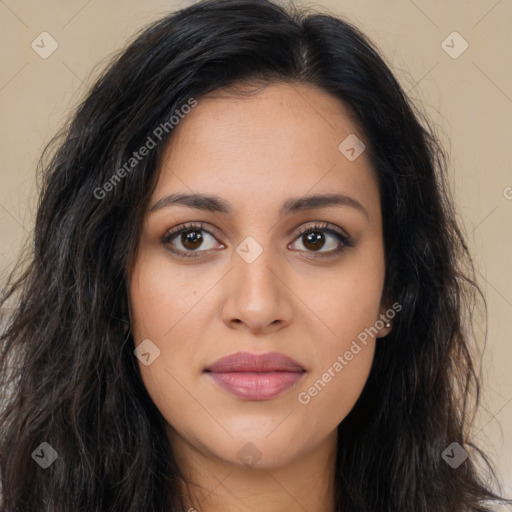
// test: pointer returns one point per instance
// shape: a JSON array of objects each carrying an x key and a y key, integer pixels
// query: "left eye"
[
  {"x": 316, "y": 238},
  {"x": 313, "y": 240}
]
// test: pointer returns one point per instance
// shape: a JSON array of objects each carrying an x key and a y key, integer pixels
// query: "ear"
[{"x": 384, "y": 323}]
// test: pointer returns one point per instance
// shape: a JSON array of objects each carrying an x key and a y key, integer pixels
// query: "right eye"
[{"x": 191, "y": 238}]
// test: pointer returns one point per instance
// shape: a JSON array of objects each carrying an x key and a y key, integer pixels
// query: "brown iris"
[
  {"x": 191, "y": 239},
  {"x": 314, "y": 240}
]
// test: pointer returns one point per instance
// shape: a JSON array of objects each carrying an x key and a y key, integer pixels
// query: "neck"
[{"x": 215, "y": 485}]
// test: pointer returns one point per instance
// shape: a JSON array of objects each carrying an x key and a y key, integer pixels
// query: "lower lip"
[{"x": 257, "y": 386}]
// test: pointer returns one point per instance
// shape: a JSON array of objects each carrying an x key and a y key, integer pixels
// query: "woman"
[{"x": 248, "y": 286}]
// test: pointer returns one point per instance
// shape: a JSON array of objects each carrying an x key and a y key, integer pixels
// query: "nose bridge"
[
  {"x": 253, "y": 262},
  {"x": 256, "y": 294}
]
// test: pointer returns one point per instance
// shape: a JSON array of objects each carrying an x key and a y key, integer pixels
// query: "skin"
[{"x": 255, "y": 152}]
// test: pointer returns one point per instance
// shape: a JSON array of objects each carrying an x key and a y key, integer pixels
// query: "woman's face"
[{"x": 247, "y": 281}]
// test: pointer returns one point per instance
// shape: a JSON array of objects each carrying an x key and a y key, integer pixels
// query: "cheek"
[
  {"x": 162, "y": 297},
  {"x": 330, "y": 395},
  {"x": 346, "y": 301},
  {"x": 343, "y": 355},
  {"x": 166, "y": 310},
  {"x": 345, "y": 312}
]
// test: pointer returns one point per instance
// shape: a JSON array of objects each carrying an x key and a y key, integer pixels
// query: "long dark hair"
[{"x": 69, "y": 375}]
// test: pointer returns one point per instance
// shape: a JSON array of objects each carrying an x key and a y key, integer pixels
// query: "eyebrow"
[{"x": 295, "y": 204}]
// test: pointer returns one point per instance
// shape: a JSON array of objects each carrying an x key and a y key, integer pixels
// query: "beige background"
[{"x": 469, "y": 98}]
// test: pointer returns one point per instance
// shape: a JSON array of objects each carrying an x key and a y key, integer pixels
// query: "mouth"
[{"x": 256, "y": 376}]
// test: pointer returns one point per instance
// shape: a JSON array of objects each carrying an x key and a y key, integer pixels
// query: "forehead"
[{"x": 282, "y": 140}]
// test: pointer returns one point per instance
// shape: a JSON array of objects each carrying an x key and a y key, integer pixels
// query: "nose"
[{"x": 257, "y": 297}]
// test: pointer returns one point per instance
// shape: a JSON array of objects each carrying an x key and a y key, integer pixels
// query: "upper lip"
[{"x": 247, "y": 362}]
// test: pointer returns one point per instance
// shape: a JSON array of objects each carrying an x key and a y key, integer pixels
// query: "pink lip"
[{"x": 256, "y": 376}]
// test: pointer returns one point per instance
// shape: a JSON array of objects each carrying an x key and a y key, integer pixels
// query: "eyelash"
[{"x": 320, "y": 227}]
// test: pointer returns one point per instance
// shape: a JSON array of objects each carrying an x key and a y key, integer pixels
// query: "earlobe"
[
  {"x": 383, "y": 325},
  {"x": 388, "y": 310},
  {"x": 384, "y": 331}
]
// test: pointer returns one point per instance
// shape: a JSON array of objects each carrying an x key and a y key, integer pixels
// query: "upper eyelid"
[
  {"x": 325, "y": 226},
  {"x": 190, "y": 226}
]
